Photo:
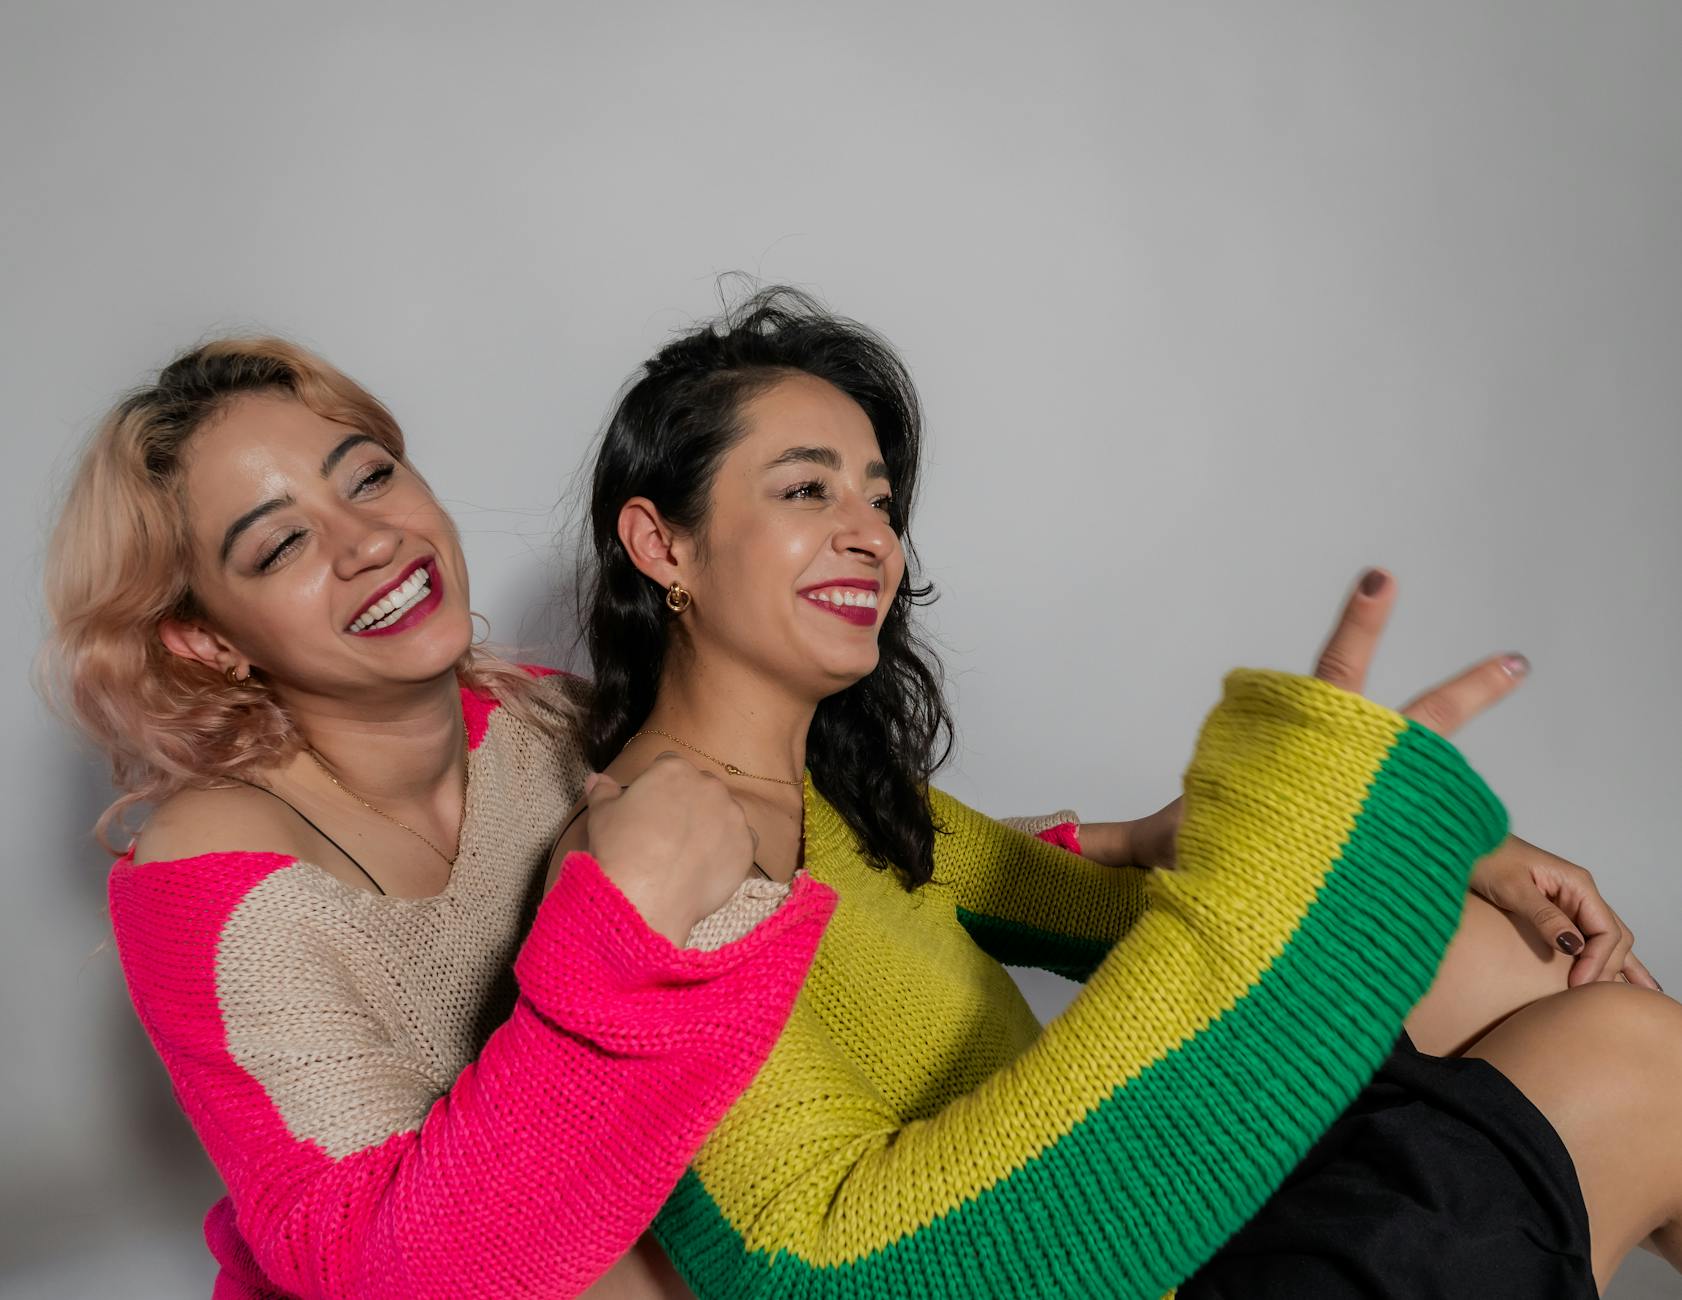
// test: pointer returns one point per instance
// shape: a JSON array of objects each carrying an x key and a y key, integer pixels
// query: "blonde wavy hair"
[{"x": 118, "y": 566}]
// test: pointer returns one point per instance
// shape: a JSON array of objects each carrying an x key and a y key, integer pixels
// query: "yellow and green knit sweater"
[{"x": 916, "y": 1133}]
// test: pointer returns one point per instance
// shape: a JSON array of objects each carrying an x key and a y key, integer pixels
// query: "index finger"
[
  {"x": 1635, "y": 972},
  {"x": 1349, "y": 650},
  {"x": 1601, "y": 930},
  {"x": 1448, "y": 706}
]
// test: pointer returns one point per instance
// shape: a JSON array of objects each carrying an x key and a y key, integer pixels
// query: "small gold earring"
[
  {"x": 677, "y": 598},
  {"x": 234, "y": 679}
]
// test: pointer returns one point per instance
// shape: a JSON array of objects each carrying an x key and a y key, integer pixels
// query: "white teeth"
[
  {"x": 844, "y": 596},
  {"x": 391, "y": 607}
]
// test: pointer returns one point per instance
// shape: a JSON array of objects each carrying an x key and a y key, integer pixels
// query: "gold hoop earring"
[
  {"x": 474, "y": 615},
  {"x": 677, "y": 598},
  {"x": 246, "y": 683}
]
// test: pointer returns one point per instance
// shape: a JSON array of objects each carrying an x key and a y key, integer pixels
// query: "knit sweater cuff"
[
  {"x": 591, "y": 961},
  {"x": 1277, "y": 735}
]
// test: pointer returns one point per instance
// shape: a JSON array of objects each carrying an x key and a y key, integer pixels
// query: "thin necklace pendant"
[
  {"x": 466, "y": 786},
  {"x": 730, "y": 768}
]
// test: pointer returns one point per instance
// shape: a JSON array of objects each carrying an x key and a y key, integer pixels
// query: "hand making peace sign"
[{"x": 1556, "y": 899}]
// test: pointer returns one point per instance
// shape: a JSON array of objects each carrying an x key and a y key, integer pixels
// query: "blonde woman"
[{"x": 260, "y": 614}]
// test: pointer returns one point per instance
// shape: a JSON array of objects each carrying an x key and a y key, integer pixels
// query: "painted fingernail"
[
  {"x": 1373, "y": 582},
  {"x": 1515, "y": 665},
  {"x": 1569, "y": 944}
]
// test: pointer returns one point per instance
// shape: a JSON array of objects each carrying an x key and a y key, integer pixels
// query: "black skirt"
[{"x": 1441, "y": 1180}]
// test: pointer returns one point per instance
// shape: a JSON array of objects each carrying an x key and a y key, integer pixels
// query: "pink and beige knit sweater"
[{"x": 406, "y": 1100}]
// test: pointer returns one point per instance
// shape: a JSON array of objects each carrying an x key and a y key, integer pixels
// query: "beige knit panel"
[
  {"x": 356, "y": 1012},
  {"x": 1042, "y": 822},
  {"x": 754, "y": 900}
]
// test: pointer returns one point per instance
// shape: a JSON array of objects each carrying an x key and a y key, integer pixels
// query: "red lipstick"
[
  {"x": 419, "y": 612},
  {"x": 858, "y": 615}
]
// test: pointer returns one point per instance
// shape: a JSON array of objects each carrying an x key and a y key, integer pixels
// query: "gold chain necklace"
[
  {"x": 728, "y": 767},
  {"x": 466, "y": 781}
]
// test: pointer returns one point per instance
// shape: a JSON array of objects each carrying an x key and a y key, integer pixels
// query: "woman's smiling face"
[
  {"x": 318, "y": 556},
  {"x": 798, "y": 561}
]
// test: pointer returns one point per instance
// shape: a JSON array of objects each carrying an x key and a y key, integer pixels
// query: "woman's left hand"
[{"x": 1558, "y": 902}]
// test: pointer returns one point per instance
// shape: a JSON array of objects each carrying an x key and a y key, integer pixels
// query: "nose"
[
  {"x": 864, "y": 530},
  {"x": 362, "y": 543}
]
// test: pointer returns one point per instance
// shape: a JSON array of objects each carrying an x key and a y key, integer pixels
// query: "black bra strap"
[
  {"x": 324, "y": 835},
  {"x": 582, "y": 809}
]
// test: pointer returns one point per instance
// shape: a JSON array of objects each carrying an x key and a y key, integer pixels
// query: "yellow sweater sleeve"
[
  {"x": 1027, "y": 902},
  {"x": 1323, "y": 860}
]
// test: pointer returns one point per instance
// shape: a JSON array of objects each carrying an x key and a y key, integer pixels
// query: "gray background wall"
[{"x": 1211, "y": 303}]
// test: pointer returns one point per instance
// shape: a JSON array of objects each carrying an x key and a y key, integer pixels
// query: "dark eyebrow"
[
  {"x": 247, "y": 519},
  {"x": 338, "y": 453},
  {"x": 280, "y": 503},
  {"x": 828, "y": 457}
]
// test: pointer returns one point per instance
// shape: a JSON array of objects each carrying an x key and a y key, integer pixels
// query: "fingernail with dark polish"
[
  {"x": 1569, "y": 944},
  {"x": 1515, "y": 665},
  {"x": 1372, "y": 583}
]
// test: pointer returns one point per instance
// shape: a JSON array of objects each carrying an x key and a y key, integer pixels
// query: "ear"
[
  {"x": 198, "y": 643},
  {"x": 655, "y": 547}
]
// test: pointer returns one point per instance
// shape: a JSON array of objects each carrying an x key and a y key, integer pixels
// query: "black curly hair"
[{"x": 873, "y": 746}]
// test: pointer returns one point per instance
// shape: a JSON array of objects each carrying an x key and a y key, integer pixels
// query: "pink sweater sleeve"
[
  {"x": 1065, "y": 835},
  {"x": 544, "y": 1160}
]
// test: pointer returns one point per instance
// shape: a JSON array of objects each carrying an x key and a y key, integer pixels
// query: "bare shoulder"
[
  {"x": 575, "y": 835},
  {"x": 228, "y": 819},
  {"x": 574, "y": 838}
]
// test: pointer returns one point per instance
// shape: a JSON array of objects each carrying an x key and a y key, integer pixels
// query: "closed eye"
[{"x": 287, "y": 545}]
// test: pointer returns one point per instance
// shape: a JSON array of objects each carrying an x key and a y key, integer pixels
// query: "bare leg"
[
  {"x": 1492, "y": 969},
  {"x": 1602, "y": 1063}
]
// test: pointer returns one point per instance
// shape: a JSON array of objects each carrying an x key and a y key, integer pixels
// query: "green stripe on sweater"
[
  {"x": 1012, "y": 943},
  {"x": 1147, "y": 1187}
]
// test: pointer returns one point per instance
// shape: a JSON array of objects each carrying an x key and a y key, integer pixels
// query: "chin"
[
  {"x": 843, "y": 676},
  {"x": 446, "y": 651},
  {"x": 435, "y": 651}
]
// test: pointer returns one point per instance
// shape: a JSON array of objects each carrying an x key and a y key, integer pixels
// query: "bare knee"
[
  {"x": 1632, "y": 1014},
  {"x": 1639, "y": 1030},
  {"x": 1493, "y": 968},
  {"x": 1601, "y": 1060}
]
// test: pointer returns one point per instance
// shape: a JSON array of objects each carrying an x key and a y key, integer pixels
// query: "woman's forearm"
[{"x": 1110, "y": 844}]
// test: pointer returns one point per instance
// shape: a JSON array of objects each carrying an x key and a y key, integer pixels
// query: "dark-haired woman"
[
  {"x": 260, "y": 614},
  {"x": 915, "y": 1132}
]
